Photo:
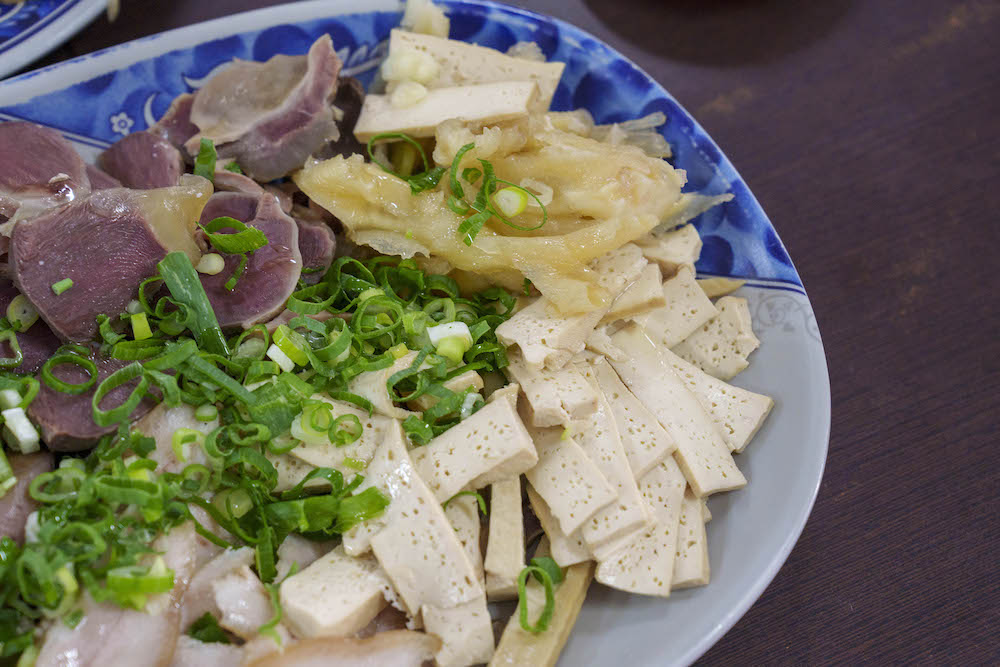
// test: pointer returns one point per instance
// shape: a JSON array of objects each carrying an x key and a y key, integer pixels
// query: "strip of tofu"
[
  {"x": 328, "y": 455},
  {"x": 571, "y": 485},
  {"x": 481, "y": 103},
  {"x": 461, "y": 63},
  {"x": 488, "y": 446},
  {"x": 465, "y": 631},
  {"x": 459, "y": 383},
  {"x": 701, "y": 451},
  {"x": 518, "y": 647},
  {"x": 644, "y": 294},
  {"x": 625, "y": 519},
  {"x": 599, "y": 342},
  {"x": 716, "y": 287},
  {"x": 673, "y": 249},
  {"x": 334, "y": 597},
  {"x": 691, "y": 566},
  {"x": 371, "y": 385},
  {"x": 505, "y": 542},
  {"x": 566, "y": 549},
  {"x": 646, "y": 566},
  {"x": 548, "y": 338},
  {"x": 463, "y": 514},
  {"x": 721, "y": 346},
  {"x": 687, "y": 309},
  {"x": 555, "y": 397},
  {"x": 645, "y": 441},
  {"x": 736, "y": 412}
]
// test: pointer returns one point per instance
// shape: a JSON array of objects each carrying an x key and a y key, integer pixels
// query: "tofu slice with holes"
[
  {"x": 463, "y": 514},
  {"x": 461, "y": 63},
  {"x": 481, "y": 103},
  {"x": 566, "y": 549},
  {"x": 490, "y": 445},
  {"x": 571, "y": 485},
  {"x": 736, "y": 412},
  {"x": 720, "y": 347},
  {"x": 459, "y": 383},
  {"x": 548, "y": 338},
  {"x": 643, "y": 295},
  {"x": 646, "y": 565},
  {"x": 645, "y": 441},
  {"x": 505, "y": 541},
  {"x": 687, "y": 309},
  {"x": 334, "y": 597},
  {"x": 371, "y": 385},
  {"x": 672, "y": 250},
  {"x": 328, "y": 455},
  {"x": 691, "y": 566},
  {"x": 627, "y": 517},
  {"x": 555, "y": 397},
  {"x": 701, "y": 451},
  {"x": 465, "y": 631}
]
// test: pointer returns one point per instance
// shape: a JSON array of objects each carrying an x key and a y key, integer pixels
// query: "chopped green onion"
[
  {"x": 49, "y": 378},
  {"x": 425, "y": 180},
  {"x": 548, "y": 574},
  {"x": 233, "y": 167},
  {"x": 206, "y": 412},
  {"x": 292, "y": 344},
  {"x": 21, "y": 313},
  {"x": 182, "y": 281},
  {"x": 511, "y": 201},
  {"x": 204, "y": 162},
  {"x": 18, "y": 431},
  {"x": 237, "y": 273},
  {"x": 62, "y": 285},
  {"x": 479, "y": 499},
  {"x": 345, "y": 430},
  {"x": 7, "y": 478},
  {"x": 207, "y": 629},
  {"x": 140, "y": 327},
  {"x": 211, "y": 264},
  {"x": 10, "y": 337},
  {"x": 244, "y": 239},
  {"x": 275, "y": 354}
]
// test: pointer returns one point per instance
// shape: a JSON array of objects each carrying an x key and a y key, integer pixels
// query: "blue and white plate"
[
  {"x": 97, "y": 99},
  {"x": 30, "y": 29}
]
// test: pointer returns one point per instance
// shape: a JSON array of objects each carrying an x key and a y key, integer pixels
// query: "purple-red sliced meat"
[
  {"x": 106, "y": 244},
  {"x": 350, "y": 97},
  {"x": 66, "y": 421},
  {"x": 37, "y": 344},
  {"x": 16, "y": 504},
  {"x": 176, "y": 126},
  {"x": 271, "y": 127},
  {"x": 272, "y": 272},
  {"x": 39, "y": 170},
  {"x": 229, "y": 181},
  {"x": 100, "y": 179},
  {"x": 316, "y": 244},
  {"x": 143, "y": 161}
]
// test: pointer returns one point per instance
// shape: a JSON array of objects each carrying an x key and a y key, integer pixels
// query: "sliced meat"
[
  {"x": 229, "y": 181},
  {"x": 271, "y": 127},
  {"x": 398, "y": 648},
  {"x": 66, "y": 421},
  {"x": 101, "y": 180},
  {"x": 199, "y": 597},
  {"x": 37, "y": 344},
  {"x": 317, "y": 245},
  {"x": 243, "y": 603},
  {"x": 120, "y": 233},
  {"x": 192, "y": 653},
  {"x": 143, "y": 161},
  {"x": 40, "y": 170},
  {"x": 176, "y": 126},
  {"x": 16, "y": 504},
  {"x": 348, "y": 101},
  {"x": 272, "y": 272}
]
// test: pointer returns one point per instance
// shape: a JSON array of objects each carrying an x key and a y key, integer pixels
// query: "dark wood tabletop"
[{"x": 869, "y": 131}]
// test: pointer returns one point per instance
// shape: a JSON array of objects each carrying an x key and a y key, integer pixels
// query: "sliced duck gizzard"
[
  {"x": 272, "y": 127},
  {"x": 143, "y": 161},
  {"x": 175, "y": 126},
  {"x": 317, "y": 245},
  {"x": 106, "y": 244},
  {"x": 100, "y": 179}
]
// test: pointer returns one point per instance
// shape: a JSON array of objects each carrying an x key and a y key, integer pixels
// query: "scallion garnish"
[
  {"x": 475, "y": 494},
  {"x": 62, "y": 285},
  {"x": 204, "y": 162},
  {"x": 548, "y": 573},
  {"x": 243, "y": 239},
  {"x": 425, "y": 180},
  {"x": 181, "y": 279},
  {"x": 207, "y": 629}
]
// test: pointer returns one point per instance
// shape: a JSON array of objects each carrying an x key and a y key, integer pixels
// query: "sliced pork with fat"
[
  {"x": 272, "y": 272},
  {"x": 143, "y": 161},
  {"x": 16, "y": 504},
  {"x": 272, "y": 127},
  {"x": 106, "y": 244}
]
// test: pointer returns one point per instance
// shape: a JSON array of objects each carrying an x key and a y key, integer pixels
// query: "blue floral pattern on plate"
[
  {"x": 21, "y": 21},
  {"x": 739, "y": 240}
]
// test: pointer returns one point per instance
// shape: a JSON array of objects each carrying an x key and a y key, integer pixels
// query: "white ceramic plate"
[
  {"x": 30, "y": 29},
  {"x": 95, "y": 99}
]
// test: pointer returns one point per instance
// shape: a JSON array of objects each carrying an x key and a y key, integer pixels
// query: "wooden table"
[{"x": 868, "y": 130}]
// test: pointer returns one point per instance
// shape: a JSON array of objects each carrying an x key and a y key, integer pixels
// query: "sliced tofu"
[
  {"x": 687, "y": 309},
  {"x": 555, "y": 397},
  {"x": 646, "y": 566},
  {"x": 291, "y": 471},
  {"x": 481, "y": 103},
  {"x": 465, "y": 631},
  {"x": 645, "y": 441},
  {"x": 548, "y": 338},
  {"x": 518, "y": 647},
  {"x": 716, "y": 287},
  {"x": 463, "y": 514},
  {"x": 462, "y": 63},
  {"x": 334, "y": 597},
  {"x": 720, "y": 347},
  {"x": 736, "y": 412},
  {"x": 705, "y": 512},
  {"x": 644, "y": 294},
  {"x": 691, "y": 567},
  {"x": 490, "y": 445},
  {"x": 371, "y": 385},
  {"x": 623, "y": 520},
  {"x": 566, "y": 549},
  {"x": 701, "y": 451},
  {"x": 673, "y": 249},
  {"x": 599, "y": 342},
  {"x": 505, "y": 542},
  {"x": 328, "y": 455},
  {"x": 567, "y": 480},
  {"x": 459, "y": 383}
]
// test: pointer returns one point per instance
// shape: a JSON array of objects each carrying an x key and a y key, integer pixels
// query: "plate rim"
[{"x": 56, "y": 32}]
